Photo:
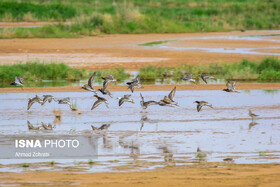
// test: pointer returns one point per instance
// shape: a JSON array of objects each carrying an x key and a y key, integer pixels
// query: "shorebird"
[
  {"x": 147, "y": 103},
  {"x": 200, "y": 104},
  {"x": 134, "y": 84},
  {"x": 144, "y": 118},
  {"x": 167, "y": 154},
  {"x": 18, "y": 81},
  {"x": 48, "y": 98},
  {"x": 252, "y": 115},
  {"x": 102, "y": 127},
  {"x": 65, "y": 101},
  {"x": 99, "y": 101},
  {"x": 107, "y": 80},
  {"x": 125, "y": 98},
  {"x": 31, "y": 127},
  {"x": 31, "y": 101},
  {"x": 168, "y": 101},
  {"x": 47, "y": 127},
  {"x": 89, "y": 85},
  {"x": 187, "y": 77},
  {"x": 205, "y": 77},
  {"x": 200, "y": 154},
  {"x": 231, "y": 86},
  {"x": 228, "y": 160}
]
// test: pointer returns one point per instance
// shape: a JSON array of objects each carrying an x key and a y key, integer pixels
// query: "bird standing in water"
[{"x": 252, "y": 115}]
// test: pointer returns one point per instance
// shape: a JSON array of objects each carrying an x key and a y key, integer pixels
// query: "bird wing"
[
  {"x": 19, "y": 80},
  {"x": 199, "y": 106},
  {"x": 229, "y": 85},
  {"x": 142, "y": 97},
  {"x": 45, "y": 100},
  {"x": 137, "y": 79},
  {"x": 96, "y": 104},
  {"x": 131, "y": 87},
  {"x": 50, "y": 98},
  {"x": 121, "y": 101},
  {"x": 111, "y": 77},
  {"x": 44, "y": 126},
  {"x": 204, "y": 79},
  {"x": 151, "y": 103},
  {"x": 30, "y": 103},
  {"x": 172, "y": 94},
  {"x": 104, "y": 126},
  {"x": 233, "y": 84},
  {"x": 166, "y": 100},
  {"x": 30, "y": 126},
  {"x": 94, "y": 128},
  {"x": 127, "y": 96},
  {"x": 105, "y": 84},
  {"x": 91, "y": 79}
]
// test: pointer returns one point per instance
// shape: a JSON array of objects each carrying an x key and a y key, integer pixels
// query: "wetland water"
[
  {"x": 186, "y": 44},
  {"x": 158, "y": 136}
]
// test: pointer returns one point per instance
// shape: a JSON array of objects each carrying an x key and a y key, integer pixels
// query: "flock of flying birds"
[{"x": 135, "y": 83}]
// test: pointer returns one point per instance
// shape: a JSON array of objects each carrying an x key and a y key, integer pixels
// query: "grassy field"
[
  {"x": 138, "y": 16},
  {"x": 12, "y": 11},
  {"x": 36, "y": 71},
  {"x": 268, "y": 69}
]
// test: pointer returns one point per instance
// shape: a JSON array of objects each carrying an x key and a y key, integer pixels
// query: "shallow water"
[
  {"x": 231, "y": 50},
  {"x": 139, "y": 138}
]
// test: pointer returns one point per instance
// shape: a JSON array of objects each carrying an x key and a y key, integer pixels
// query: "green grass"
[
  {"x": 141, "y": 16},
  {"x": 25, "y": 165},
  {"x": 267, "y": 69},
  {"x": 156, "y": 43},
  {"x": 41, "y": 71},
  {"x": 90, "y": 162},
  {"x": 200, "y": 156},
  {"x": 14, "y": 11},
  {"x": 119, "y": 74},
  {"x": 37, "y": 71}
]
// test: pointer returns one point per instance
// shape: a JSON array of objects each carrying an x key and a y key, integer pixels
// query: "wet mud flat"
[
  {"x": 140, "y": 139},
  {"x": 127, "y": 50}
]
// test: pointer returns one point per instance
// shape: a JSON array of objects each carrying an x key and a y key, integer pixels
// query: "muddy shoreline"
[
  {"x": 210, "y": 174},
  {"x": 123, "y": 50},
  {"x": 241, "y": 86}
]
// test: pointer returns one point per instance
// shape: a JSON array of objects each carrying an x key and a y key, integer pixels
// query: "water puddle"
[
  {"x": 156, "y": 137},
  {"x": 177, "y": 45}
]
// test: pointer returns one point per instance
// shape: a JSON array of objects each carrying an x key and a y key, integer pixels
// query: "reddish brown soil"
[
  {"x": 124, "y": 50},
  {"x": 199, "y": 175}
]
